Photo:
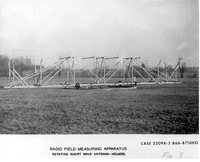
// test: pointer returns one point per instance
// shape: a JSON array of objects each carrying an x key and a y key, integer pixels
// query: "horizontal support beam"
[
  {"x": 64, "y": 57},
  {"x": 135, "y": 58},
  {"x": 88, "y": 57},
  {"x": 111, "y": 58},
  {"x": 99, "y": 57},
  {"x": 127, "y": 58}
]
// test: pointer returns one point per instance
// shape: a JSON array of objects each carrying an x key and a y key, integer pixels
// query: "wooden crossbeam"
[{"x": 88, "y": 57}]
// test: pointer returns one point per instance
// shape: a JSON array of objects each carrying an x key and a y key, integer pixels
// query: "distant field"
[{"x": 149, "y": 109}]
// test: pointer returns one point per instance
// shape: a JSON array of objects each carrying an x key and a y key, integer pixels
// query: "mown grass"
[{"x": 150, "y": 109}]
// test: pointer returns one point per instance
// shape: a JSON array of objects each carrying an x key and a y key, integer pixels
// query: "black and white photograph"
[{"x": 99, "y": 78}]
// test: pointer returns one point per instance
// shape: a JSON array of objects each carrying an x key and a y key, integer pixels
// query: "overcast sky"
[{"x": 154, "y": 28}]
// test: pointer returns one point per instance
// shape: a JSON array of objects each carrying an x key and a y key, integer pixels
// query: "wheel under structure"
[{"x": 77, "y": 85}]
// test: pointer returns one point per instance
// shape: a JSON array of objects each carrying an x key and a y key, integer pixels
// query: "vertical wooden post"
[
  {"x": 41, "y": 72},
  {"x": 176, "y": 75},
  {"x": 83, "y": 72},
  {"x": 13, "y": 71},
  {"x": 158, "y": 73},
  {"x": 96, "y": 61},
  {"x": 123, "y": 70},
  {"x": 9, "y": 74},
  {"x": 74, "y": 71},
  {"x": 35, "y": 79}
]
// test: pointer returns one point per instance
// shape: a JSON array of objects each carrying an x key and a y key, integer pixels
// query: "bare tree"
[
  {"x": 182, "y": 66},
  {"x": 22, "y": 64},
  {"x": 169, "y": 69},
  {"x": 195, "y": 72},
  {"x": 3, "y": 65}
]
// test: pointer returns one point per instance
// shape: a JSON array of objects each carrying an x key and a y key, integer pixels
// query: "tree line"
[
  {"x": 21, "y": 64},
  {"x": 25, "y": 64}
]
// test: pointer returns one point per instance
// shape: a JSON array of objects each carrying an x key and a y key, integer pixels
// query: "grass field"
[{"x": 149, "y": 109}]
